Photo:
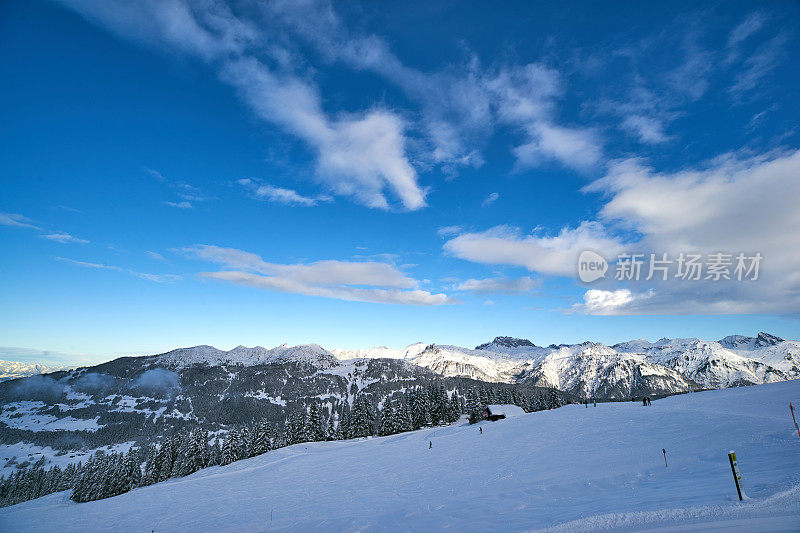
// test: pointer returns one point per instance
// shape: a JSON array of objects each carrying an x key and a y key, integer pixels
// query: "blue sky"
[{"x": 178, "y": 173}]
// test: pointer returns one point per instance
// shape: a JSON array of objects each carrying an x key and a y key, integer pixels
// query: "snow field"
[{"x": 568, "y": 469}]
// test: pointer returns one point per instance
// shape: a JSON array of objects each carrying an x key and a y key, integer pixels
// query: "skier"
[
  {"x": 481, "y": 430},
  {"x": 595, "y": 402},
  {"x": 649, "y": 401},
  {"x": 430, "y": 445},
  {"x": 644, "y": 401}
]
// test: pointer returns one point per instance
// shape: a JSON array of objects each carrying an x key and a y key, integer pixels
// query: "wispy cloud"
[
  {"x": 525, "y": 98},
  {"x": 492, "y": 198},
  {"x": 498, "y": 285},
  {"x": 447, "y": 231},
  {"x": 646, "y": 129},
  {"x": 159, "y": 278},
  {"x": 757, "y": 66},
  {"x": 367, "y": 281},
  {"x": 748, "y": 27},
  {"x": 64, "y": 238},
  {"x": 11, "y": 219},
  {"x": 186, "y": 193},
  {"x": 271, "y": 193},
  {"x": 180, "y": 205}
]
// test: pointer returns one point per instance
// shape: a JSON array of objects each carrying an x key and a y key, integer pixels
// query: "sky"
[{"x": 177, "y": 173}]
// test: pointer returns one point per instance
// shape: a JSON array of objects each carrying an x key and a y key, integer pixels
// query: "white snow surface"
[
  {"x": 505, "y": 410},
  {"x": 568, "y": 469}
]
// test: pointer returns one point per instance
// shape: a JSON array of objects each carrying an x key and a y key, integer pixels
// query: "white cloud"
[
  {"x": 756, "y": 67},
  {"x": 155, "y": 255},
  {"x": 358, "y": 294},
  {"x": 731, "y": 205},
  {"x": 498, "y": 285},
  {"x": 180, "y": 205},
  {"x": 280, "y": 195},
  {"x": 646, "y": 129},
  {"x": 599, "y": 302},
  {"x": 557, "y": 255},
  {"x": 11, "y": 219},
  {"x": 367, "y": 281},
  {"x": 446, "y": 231},
  {"x": 159, "y": 278},
  {"x": 358, "y": 156},
  {"x": 525, "y": 98},
  {"x": 361, "y": 155},
  {"x": 748, "y": 27},
  {"x": 283, "y": 196},
  {"x": 574, "y": 147},
  {"x": 64, "y": 238},
  {"x": 492, "y": 198}
]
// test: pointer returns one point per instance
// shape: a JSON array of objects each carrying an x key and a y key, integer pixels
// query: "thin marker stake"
[
  {"x": 737, "y": 477},
  {"x": 665, "y": 457},
  {"x": 791, "y": 408}
]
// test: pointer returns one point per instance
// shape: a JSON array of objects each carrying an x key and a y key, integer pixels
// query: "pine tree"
[
  {"x": 387, "y": 424},
  {"x": 230, "y": 452},
  {"x": 315, "y": 430},
  {"x": 296, "y": 428},
  {"x": 362, "y": 419},
  {"x": 420, "y": 409}
]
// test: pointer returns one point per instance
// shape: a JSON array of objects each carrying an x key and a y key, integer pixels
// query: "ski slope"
[{"x": 570, "y": 469}]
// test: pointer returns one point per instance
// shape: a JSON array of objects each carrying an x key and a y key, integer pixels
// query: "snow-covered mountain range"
[
  {"x": 16, "y": 369},
  {"x": 632, "y": 368}
]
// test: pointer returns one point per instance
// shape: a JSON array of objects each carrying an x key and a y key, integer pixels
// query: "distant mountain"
[
  {"x": 139, "y": 399},
  {"x": 633, "y": 368},
  {"x": 241, "y": 355},
  {"x": 506, "y": 342},
  {"x": 15, "y": 369}
]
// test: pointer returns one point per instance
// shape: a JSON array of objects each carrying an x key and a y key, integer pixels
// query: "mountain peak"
[
  {"x": 766, "y": 339},
  {"x": 750, "y": 343},
  {"x": 506, "y": 342}
]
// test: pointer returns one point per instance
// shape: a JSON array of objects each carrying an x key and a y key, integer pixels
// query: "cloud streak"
[
  {"x": 64, "y": 238},
  {"x": 368, "y": 281},
  {"x": 158, "y": 278},
  {"x": 498, "y": 285}
]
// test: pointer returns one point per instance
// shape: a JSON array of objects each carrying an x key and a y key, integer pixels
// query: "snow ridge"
[{"x": 312, "y": 354}]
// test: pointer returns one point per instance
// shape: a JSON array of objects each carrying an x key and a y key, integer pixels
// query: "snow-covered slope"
[
  {"x": 568, "y": 469},
  {"x": 241, "y": 355},
  {"x": 15, "y": 369},
  {"x": 593, "y": 370}
]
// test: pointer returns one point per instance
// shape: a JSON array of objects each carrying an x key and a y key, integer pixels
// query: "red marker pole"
[
  {"x": 791, "y": 408},
  {"x": 665, "y": 457}
]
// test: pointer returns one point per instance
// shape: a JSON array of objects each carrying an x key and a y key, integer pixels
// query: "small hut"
[{"x": 498, "y": 412}]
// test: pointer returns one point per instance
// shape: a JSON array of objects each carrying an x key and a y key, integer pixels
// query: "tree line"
[{"x": 189, "y": 450}]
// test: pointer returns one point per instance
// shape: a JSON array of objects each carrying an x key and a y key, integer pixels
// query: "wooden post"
[
  {"x": 791, "y": 408},
  {"x": 737, "y": 477}
]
